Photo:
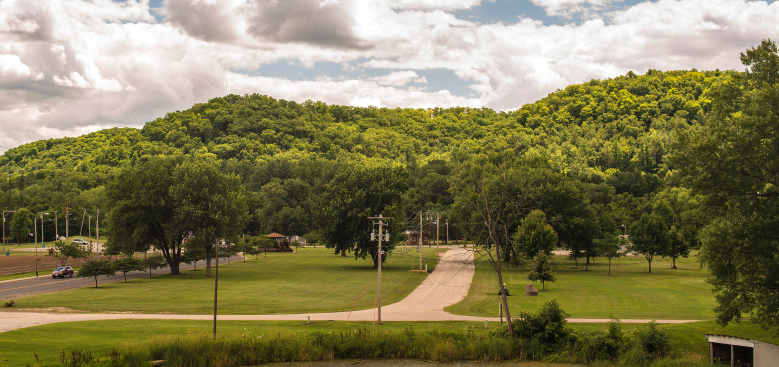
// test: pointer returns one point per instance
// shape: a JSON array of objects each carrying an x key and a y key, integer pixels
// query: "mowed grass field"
[
  {"x": 630, "y": 292},
  {"x": 312, "y": 280}
]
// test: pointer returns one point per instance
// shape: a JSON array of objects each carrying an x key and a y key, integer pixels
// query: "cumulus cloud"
[
  {"x": 570, "y": 8},
  {"x": 68, "y": 67},
  {"x": 400, "y": 78},
  {"x": 206, "y": 20},
  {"x": 315, "y": 22}
]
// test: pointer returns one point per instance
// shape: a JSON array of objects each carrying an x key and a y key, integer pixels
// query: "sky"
[{"x": 71, "y": 67}]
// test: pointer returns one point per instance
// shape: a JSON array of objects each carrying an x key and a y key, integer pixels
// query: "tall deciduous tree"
[
  {"x": 534, "y": 236},
  {"x": 732, "y": 161},
  {"x": 490, "y": 193},
  {"x": 162, "y": 202},
  {"x": 144, "y": 211},
  {"x": 208, "y": 204},
  {"x": 650, "y": 237},
  {"x": 22, "y": 225},
  {"x": 356, "y": 194}
]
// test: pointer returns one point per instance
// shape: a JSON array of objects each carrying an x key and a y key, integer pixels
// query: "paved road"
[{"x": 24, "y": 287}]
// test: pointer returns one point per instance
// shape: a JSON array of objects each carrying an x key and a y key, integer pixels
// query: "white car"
[{"x": 79, "y": 241}]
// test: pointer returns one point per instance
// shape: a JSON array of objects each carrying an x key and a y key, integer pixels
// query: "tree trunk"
[
  {"x": 95, "y": 281},
  {"x": 503, "y": 298},
  {"x": 609, "y": 266},
  {"x": 649, "y": 260},
  {"x": 674, "y": 263},
  {"x": 174, "y": 268}
]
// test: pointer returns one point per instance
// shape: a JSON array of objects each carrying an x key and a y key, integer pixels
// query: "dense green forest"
[{"x": 611, "y": 135}]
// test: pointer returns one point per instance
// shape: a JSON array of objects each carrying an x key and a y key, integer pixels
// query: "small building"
[
  {"x": 734, "y": 351},
  {"x": 280, "y": 239},
  {"x": 300, "y": 240}
]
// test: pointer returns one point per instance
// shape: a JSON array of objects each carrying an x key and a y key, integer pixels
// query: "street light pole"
[
  {"x": 35, "y": 230},
  {"x": 216, "y": 282}
]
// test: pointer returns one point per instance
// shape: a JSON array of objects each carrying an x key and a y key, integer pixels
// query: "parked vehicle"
[
  {"x": 62, "y": 271},
  {"x": 80, "y": 241}
]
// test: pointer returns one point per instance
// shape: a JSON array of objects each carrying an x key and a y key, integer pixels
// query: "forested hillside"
[{"x": 614, "y": 133}]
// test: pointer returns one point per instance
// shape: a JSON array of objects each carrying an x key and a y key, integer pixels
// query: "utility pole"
[
  {"x": 10, "y": 198},
  {"x": 446, "y": 241},
  {"x": 216, "y": 283},
  {"x": 21, "y": 188},
  {"x": 56, "y": 229},
  {"x": 97, "y": 229},
  {"x": 379, "y": 254},
  {"x": 437, "y": 226},
  {"x": 420, "y": 241},
  {"x": 429, "y": 232},
  {"x": 66, "y": 222},
  {"x": 5, "y": 211},
  {"x": 35, "y": 229}
]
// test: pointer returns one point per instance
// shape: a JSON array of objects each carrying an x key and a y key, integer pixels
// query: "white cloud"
[
  {"x": 12, "y": 68},
  {"x": 569, "y": 8},
  {"x": 68, "y": 67},
  {"x": 400, "y": 78}
]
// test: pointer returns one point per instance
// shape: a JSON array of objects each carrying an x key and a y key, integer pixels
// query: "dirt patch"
[{"x": 18, "y": 264}]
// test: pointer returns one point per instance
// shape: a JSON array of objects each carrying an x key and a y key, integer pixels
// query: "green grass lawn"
[
  {"x": 630, "y": 292},
  {"x": 100, "y": 337},
  {"x": 312, "y": 280},
  {"x": 19, "y": 347}
]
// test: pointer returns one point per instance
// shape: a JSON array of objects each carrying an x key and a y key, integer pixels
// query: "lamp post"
[
  {"x": 625, "y": 228},
  {"x": 216, "y": 280}
]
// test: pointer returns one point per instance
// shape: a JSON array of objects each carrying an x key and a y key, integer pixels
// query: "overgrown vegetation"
[{"x": 541, "y": 336}]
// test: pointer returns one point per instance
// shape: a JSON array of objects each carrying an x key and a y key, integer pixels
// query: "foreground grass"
[
  {"x": 312, "y": 280},
  {"x": 630, "y": 292},
  {"x": 99, "y": 338}
]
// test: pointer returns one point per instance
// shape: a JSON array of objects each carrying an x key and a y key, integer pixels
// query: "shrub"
[
  {"x": 653, "y": 342},
  {"x": 599, "y": 346},
  {"x": 9, "y": 303},
  {"x": 542, "y": 331}
]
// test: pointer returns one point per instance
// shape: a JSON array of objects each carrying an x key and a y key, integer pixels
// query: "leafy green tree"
[
  {"x": 677, "y": 246},
  {"x": 541, "y": 269},
  {"x": 96, "y": 268},
  {"x": 351, "y": 198},
  {"x": 534, "y": 236},
  {"x": 64, "y": 251},
  {"x": 162, "y": 202},
  {"x": 127, "y": 265},
  {"x": 144, "y": 212},
  {"x": 154, "y": 261},
  {"x": 650, "y": 237},
  {"x": 611, "y": 247},
  {"x": 732, "y": 162},
  {"x": 208, "y": 204},
  {"x": 22, "y": 225}
]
